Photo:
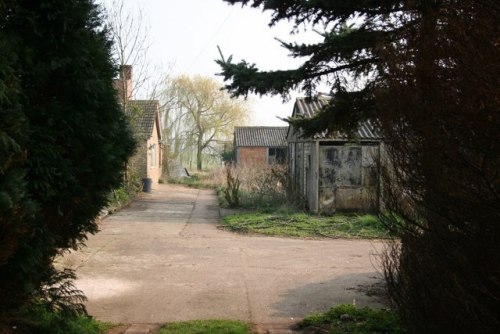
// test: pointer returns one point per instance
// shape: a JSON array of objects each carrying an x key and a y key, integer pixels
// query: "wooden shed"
[{"x": 332, "y": 171}]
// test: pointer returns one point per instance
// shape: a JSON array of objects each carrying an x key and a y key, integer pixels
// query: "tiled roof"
[
  {"x": 146, "y": 112},
  {"x": 309, "y": 107},
  {"x": 260, "y": 136}
]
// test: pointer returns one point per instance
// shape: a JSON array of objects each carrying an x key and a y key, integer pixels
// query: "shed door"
[{"x": 339, "y": 178}]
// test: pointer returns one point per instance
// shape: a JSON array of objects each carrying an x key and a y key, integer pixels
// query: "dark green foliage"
[
  {"x": 60, "y": 294},
  {"x": 227, "y": 157},
  {"x": 427, "y": 73},
  {"x": 349, "y": 319},
  {"x": 445, "y": 275},
  {"x": 63, "y": 139}
]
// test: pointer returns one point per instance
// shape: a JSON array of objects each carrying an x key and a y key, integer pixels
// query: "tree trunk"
[{"x": 199, "y": 149}]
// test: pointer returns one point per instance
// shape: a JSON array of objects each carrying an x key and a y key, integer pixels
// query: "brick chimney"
[{"x": 123, "y": 85}]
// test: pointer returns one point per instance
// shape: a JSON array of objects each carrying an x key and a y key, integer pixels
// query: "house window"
[
  {"x": 276, "y": 155},
  {"x": 152, "y": 155}
]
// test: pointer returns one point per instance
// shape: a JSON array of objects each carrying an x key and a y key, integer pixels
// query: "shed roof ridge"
[{"x": 366, "y": 129}]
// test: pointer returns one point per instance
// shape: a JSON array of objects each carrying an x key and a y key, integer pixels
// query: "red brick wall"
[{"x": 251, "y": 155}]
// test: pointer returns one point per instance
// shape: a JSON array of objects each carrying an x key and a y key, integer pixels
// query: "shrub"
[{"x": 63, "y": 135}]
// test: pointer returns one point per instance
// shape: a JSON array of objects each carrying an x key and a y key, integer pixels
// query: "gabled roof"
[
  {"x": 260, "y": 136},
  {"x": 309, "y": 107},
  {"x": 146, "y": 112}
]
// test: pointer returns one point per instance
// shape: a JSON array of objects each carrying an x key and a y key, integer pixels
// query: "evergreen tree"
[
  {"x": 427, "y": 71},
  {"x": 63, "y": 139}
]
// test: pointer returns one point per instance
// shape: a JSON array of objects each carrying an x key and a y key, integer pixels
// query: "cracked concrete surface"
[{"x": 163, "y": 259}]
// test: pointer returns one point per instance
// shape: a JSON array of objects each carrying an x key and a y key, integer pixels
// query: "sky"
[{"x": 184, "y": 35}]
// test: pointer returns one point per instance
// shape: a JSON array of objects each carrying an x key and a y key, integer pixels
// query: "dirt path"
[{"x": 163, "y": 259}]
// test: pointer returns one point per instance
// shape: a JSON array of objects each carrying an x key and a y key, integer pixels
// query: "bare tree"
[{"x": 129, "y": 30}]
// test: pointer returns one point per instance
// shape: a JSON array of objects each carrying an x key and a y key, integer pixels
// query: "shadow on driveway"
[{"x": 361, "y": 288}]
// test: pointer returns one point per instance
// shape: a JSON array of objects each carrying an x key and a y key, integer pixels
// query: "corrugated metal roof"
[
  {"x": 260, "y": 136},
  {"x": 144, "y": 113},
  {"x": 309, "y": 107}
]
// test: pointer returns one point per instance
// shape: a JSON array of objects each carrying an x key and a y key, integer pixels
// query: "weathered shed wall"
[
  {"x": 297, "y": 165},
  {"x": 348, "y": 178},
  {"x": 311, "y": 174}
]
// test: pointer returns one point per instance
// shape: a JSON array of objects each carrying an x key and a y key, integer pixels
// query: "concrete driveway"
[{"x": 163, "y": 259}]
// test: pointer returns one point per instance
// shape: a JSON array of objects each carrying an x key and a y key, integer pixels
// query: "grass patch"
[
  {"x": 206, "y": 327},
  {"x": 306, "y": 225},
  {"x": 349, "y": 319},
  {"x": 41, "y": 320}
]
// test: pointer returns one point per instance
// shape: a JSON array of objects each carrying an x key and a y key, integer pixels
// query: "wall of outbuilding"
[
  {"x": 251, "y": 155},
  {"x": 336, "y": 175}
]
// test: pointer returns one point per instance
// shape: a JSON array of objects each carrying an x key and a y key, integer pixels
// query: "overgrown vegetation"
[
  {"x": 206, "y": 327},
  {"x": 345, "y": 319},
  {"x": 232, "y": 189},
  {"x": 132, "y": 186},
  {"x": 306, "y": 225},
  {"x": 258, "y": 187}
]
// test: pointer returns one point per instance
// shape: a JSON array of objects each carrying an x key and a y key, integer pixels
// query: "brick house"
[
  {"x": 264, "y": 145},
  {"x": 332, "y": 171},
  {"x": 144, "y": 119},
  {"x": 147, "y": 161}
]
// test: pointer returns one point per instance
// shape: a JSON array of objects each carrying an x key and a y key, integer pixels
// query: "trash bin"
[{"x": 146, "y": 184}]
